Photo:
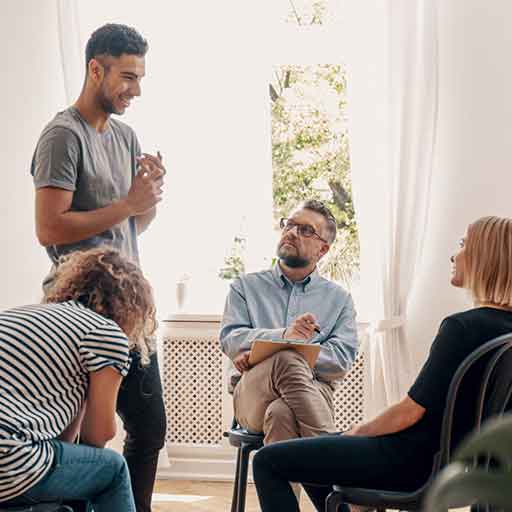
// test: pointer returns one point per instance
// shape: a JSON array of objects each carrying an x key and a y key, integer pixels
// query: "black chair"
[
  {"x": 41, "y": 507},
  {"x": 71, "y": 506},
  {"x": 246, "y": 442},
  {"x": 493, "y": 400}
]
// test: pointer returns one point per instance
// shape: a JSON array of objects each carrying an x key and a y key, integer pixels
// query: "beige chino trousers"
[{"x": 281, "y": 398}]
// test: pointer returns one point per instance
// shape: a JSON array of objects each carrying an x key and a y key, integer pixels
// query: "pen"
[{"x": 315, "y": 327}]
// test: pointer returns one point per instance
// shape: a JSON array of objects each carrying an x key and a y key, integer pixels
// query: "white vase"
[{"x": 181, "y": 294}]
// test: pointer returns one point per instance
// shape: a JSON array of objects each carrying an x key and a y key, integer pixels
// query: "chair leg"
[
  {"x": 236, "y": 497},
  {"x": 242, "y": 479},
  {"x": 333, "y": 501}
]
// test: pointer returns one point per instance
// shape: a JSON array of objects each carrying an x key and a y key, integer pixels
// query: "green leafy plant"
[
  {"x": 234, "y": 264},
  {"x": 464, "y": 483},
  {"x": 308, "y": 13}
]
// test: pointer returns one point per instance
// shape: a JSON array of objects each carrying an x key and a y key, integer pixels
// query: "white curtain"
[
  {"x": 70, "y": 43},
  {"x": 392, "y": 115}
]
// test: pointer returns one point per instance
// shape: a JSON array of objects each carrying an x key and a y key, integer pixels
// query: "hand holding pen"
[{"x": 302, "y": 328}]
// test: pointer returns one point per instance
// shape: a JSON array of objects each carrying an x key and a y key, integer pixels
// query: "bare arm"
[
  {"x": 70, "y": 433},
  {"x": 99, "y": 422},
  {"x": 56, "y": 224},
  {"x": 398, "y": 417},
  {"x": 143, "y": 220}
]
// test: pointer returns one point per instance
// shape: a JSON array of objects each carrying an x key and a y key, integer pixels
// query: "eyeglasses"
[{"x": 304, "y": 230}]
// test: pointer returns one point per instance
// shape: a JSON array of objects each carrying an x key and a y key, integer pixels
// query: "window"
[{"x": 310, "y": 143}]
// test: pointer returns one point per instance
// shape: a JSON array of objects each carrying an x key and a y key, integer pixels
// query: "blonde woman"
[
  {"x": 61, "y": 365},
  {"x": 395, "y": 450}
]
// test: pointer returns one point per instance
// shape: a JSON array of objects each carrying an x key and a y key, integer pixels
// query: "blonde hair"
[
  {"x": 112, "y": 286},
  {"x": 488, "y": 261}
]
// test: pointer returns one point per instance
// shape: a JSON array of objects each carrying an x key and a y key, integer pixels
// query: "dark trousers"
[
  {"x": 141, "y": 407},
  {"x": 320, "y": 462}
]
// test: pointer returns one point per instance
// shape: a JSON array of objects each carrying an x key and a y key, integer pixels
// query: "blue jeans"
[{"x": 79, "y": 472}]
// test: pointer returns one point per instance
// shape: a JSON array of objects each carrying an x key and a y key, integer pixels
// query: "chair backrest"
[
  {"x": 496, "y": 388},
  {"x": 494, "y": 395}
]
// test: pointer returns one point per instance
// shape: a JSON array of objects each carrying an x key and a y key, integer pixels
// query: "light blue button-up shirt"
[{"x": 262, "y": 304}]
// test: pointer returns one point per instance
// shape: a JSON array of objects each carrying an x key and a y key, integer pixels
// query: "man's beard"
[
  {"x": 292, "y": 260},
  {"x": 106, "y": 104}
]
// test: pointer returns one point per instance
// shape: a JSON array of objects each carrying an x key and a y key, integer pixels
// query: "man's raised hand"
[
  {"x": 154, "y": 161},
  {"x": 146, "y": 190}
]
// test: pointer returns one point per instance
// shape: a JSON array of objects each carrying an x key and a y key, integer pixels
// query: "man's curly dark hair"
[{"x": 115, "y": 39}]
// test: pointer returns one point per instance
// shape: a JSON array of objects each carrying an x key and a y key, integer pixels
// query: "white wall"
[
  {"x": 31, "y": 91},
  {"x": 473, "y": 171}
]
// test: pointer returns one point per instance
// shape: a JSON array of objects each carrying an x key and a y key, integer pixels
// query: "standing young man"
[{"x": 95, "y": 187}]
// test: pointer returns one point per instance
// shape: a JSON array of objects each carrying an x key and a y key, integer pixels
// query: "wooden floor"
[{"x": 187, "y": 496}]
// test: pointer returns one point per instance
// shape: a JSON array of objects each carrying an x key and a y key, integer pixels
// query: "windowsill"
[{"x": 192, "y": 317}]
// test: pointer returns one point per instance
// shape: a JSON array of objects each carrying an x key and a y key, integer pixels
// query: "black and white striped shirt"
[{"x": 46, "y": 354}]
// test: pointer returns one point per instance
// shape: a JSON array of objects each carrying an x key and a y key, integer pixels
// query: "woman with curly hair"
[
  {"x": 395, "y": 450},
  {"x": 61, "y": 366}
]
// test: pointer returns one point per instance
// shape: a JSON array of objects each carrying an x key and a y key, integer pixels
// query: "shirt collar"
[{"x": 281, "y": 279}]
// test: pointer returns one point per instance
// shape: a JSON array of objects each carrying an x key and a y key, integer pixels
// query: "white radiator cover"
[{"x": 199, "y": 408}]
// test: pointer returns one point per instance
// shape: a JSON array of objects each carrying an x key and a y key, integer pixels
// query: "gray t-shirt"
[{"x": 97, "y": 167}]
